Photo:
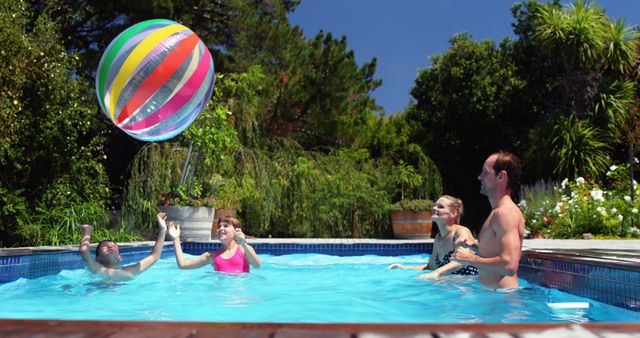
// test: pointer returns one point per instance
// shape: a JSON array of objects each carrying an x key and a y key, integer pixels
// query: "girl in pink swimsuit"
[
  {"x": 235, "y": 264},
  {"x": 235, "y": 256}
]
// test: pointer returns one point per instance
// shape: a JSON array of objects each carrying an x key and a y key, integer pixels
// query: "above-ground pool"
[{"x": 296, "y": 288}]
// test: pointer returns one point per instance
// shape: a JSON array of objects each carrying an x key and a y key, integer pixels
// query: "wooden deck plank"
[{"x": 14, "y": 328}]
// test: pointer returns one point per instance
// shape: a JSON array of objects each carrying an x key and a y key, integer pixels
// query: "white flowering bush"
[{"x": 572, "y": 208}]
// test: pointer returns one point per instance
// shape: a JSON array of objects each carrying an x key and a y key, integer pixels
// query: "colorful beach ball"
[{"x": 154, "y": 79}]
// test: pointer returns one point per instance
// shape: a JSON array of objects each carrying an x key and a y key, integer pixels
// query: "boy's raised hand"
[
  {"x": 86, "y": 228},
  {"x": 162, "y": 224}
]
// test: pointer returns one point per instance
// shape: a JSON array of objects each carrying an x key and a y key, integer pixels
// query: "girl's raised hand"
[{"x": 174, "y": 230}]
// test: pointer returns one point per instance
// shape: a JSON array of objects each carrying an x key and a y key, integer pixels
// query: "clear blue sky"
[{"x": 401, "y": 34}]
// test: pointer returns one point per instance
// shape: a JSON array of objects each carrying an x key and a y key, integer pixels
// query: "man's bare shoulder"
[{"x": 507, "y": 215}]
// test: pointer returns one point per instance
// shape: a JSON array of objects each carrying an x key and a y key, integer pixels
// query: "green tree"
[
  {"x": 388, "y": 139},
  {"x": 385, "y": 135},
  {"x": 539, "y": 95},
  {"x": 88, "y": 26},
  {"x": 311, "y": 90},
  {"x": 465, "y": 109},
  {"x": 320, "y": 95},
  {"x": 52, "y": 148},
  {"x": 587, "y": 44},
  {"x": 247, "y": 100},
  {"x": 596, "y": 57}
]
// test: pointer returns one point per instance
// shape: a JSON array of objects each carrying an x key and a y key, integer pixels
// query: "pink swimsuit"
[{"x": 235, "y": 264}]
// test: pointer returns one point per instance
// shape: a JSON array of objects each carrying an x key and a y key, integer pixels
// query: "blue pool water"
[{"x": 300, "y": 288}]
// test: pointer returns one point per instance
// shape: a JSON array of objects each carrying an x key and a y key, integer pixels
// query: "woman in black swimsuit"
[{"x": 446, "y": 214}]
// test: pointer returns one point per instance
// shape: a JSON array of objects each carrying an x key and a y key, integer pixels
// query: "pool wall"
[{"x": 605, "y": 280}]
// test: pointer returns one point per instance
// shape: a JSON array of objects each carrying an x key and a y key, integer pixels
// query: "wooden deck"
[{"x": 91, "y": 329}]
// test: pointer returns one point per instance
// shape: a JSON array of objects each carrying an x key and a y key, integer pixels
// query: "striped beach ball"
[{"x": 154, "y": 79}]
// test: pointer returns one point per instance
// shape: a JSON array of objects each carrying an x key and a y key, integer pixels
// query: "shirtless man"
[
  {"x": 106, "y": 262},
  {"x": 499, "y": 245}
]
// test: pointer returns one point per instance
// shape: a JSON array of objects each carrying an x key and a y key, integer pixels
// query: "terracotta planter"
[
  {"x": 411, "y": 224},
  {"x": 219, "y": 214},
  {"x": 195, "y": 222}
]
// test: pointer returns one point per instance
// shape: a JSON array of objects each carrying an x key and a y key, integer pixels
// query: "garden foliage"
[
  {"x": 51, "y": 151},
  {"x": 292, "y": 136},
  {"x": 575, "y": 207}
]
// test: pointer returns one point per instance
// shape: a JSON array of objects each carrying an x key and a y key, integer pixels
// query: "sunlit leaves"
[{"x": 579, "y": 149}]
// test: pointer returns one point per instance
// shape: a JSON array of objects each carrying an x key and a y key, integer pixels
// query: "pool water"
[{"x": 298, "y": 288}]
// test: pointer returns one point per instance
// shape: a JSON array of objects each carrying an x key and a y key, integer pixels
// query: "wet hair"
[
  {"x": 101, "y": 244},
  {"x": 511, "y": 164},
  {"x": 234, "y": 221},
  {"x": 456, "y": 204}
]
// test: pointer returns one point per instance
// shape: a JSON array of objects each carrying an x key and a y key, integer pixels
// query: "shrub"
[
  {"x": 12, "y": 207},
  {"x": 579, "y": 149},
  {"x": 289, "y": 192},
  {"x": 572, "y": 208},
  {"x": 56, "y": 225}
]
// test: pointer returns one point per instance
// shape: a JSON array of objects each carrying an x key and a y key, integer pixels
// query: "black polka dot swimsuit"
[{"x": 465, "y": 270}]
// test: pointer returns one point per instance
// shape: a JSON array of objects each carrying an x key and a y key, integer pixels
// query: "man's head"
[
  {"x": 501, "y": 170},
  {"x": 108, "y": 253}
]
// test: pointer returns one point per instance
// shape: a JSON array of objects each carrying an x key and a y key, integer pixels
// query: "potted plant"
[
  {"x": 194, "y": 211},
  {"x": 179, "y": 197},
  {"x": 410, "y": 218}
]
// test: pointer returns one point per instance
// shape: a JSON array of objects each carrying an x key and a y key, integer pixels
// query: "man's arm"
[
  {"x": 464, "y": 238},
  {"x": 89, "y": 261},
  {"x": 461, "y": 237},
  {"x": 506, "y": 229},
  {"x": 148, "y": 261}
]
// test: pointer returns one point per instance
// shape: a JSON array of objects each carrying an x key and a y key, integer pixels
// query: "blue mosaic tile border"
[
  {"x": 614, "y": 284},
  {"x": 337, "y": 249}
]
